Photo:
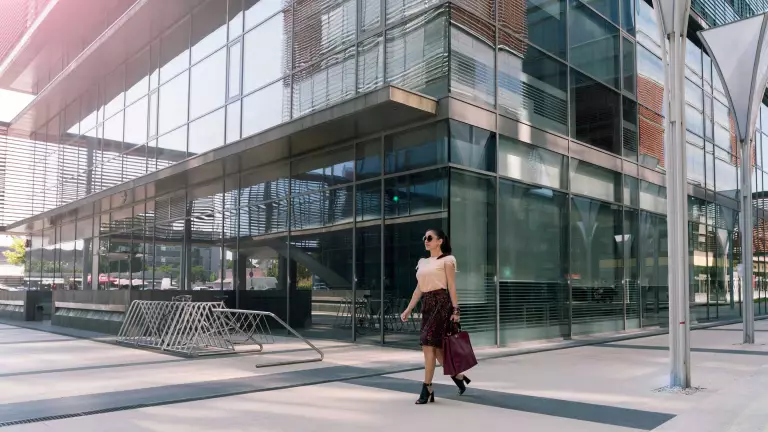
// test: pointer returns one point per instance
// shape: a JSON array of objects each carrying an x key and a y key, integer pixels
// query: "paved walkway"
[{"x": 55, "y": 382}]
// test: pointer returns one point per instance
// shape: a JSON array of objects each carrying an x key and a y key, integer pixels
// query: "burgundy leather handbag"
[{"x": 458, "y": 355}]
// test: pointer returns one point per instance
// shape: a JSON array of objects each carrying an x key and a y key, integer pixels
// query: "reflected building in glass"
[{"x": 288, "y": 156}]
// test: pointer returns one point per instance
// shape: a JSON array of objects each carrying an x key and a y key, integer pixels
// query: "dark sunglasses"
[{"x": 428, "y": 238}]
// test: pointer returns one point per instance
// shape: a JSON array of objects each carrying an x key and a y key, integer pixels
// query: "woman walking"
[{"x": 436, "y": 289}]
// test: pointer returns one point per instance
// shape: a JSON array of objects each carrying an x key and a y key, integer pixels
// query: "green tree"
[
  {"x": 17, "y": 254},
  {"x": 198, "y": 273}
]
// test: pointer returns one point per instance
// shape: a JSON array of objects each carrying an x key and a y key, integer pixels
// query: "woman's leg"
[{"x": 429, "y": 363}]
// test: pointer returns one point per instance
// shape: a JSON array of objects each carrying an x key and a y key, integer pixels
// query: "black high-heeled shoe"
[
  {"x": 427, "y": 394},
  {"x": 461, "y": 383}
]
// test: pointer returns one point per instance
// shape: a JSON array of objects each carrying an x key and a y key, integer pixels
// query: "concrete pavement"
[{"x": 55, "y": 382}]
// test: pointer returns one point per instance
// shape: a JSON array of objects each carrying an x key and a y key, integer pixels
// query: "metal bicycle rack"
[{"x": 202, "y": 328}]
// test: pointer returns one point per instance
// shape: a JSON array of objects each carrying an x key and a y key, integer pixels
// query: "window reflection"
[
  {"x": 543, "y": 24},
  {"x": 415, "y": 194},
  {"x": 209, "y": 28},
  {"x": 174, "y": 103},
  {"x": 532, "y": 269},
  {"x": 472, "y": 146},
  {"x": 208, "y": 84},
  {"x": 265, "y": 62},
  {"x": 423, "y": 147},
  {"x": 136, "y": 122},
  {"x": 532, "y": 87},
  {"x": 423, "y": 40},
  {"x": 265, "y": 108},
  {"x": 592, "y": 180},
  {"x": 594, "y": 45},
  {"x": 257, "y": 11},
  {"x": 174, "y": 51},
  {"x": 322, "y": 171},
  {"x": 595, "y": 113},
  {"x": 137, "y": 77},
  {"x": 370, "y": 64},
  {"x": 531, "y": 163},
  {"x": 472, "y": 64},
  {"x": 206, "y": 133}
]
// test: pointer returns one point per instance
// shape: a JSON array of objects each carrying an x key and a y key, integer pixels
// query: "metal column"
[
  {"x": 746, "y": 225},
  {"x": 674, "y": 18}
]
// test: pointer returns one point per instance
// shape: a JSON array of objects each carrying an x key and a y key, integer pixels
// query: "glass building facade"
[{"x": 547, "y": 169}]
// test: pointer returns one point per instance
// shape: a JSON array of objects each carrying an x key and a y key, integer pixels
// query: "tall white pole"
[
  {"x": 674, "y": 18},
  {"x": 748, "y": 304}
]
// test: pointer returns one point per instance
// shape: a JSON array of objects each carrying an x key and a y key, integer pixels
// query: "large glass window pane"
[
  {"x": 235, "y": 18},
  {"x": 322, "y": 171},
  {"x": 695, "y": 165},
  {"x": 206, "y": 133},
  {"x": 137, "y": 77},
  {"x": 609, "y": 8},
  {"x": 653, "y": 197},
  {"x": 208, "y": 84},
  {"x": 628, "y": 57},
  {"x": 651, "y": 138},
  {"x": 368, "y": 264},
  {"x": 416, "y": 194},
  {"x": 594, "y": 44},
  {"x": 726, "y": 178},
  {"x": 370, "y": 14},
  {"x": 370, "y": 64},
  {"x": 324, "y": 83},
  {"x": 533, "y": 292},
  {"x": 368, "y": 201},
  {"x": 322, "y": 269},
  {"x": 654, "y": 283},
  {"x": 473, "y": 237},
  {"x": 417, "y": 54},
  {"x": 542, "y": 24},
  {"x": 174, "y": 103},
  {"x": 693, "y": 60},
  {"x": 650, "y": 80},
  {"x": 235, "y": 68},
  {"x": 533, "y": 87},
  {"x": 174, "y": 51},
  {"x": 322, "y": 28},
  {"x": 597, "y": 266},
  {"x": 531, "y": 164},
  {"x": 694, "y": 120},
  {"x": 629, "y": 129},
  {"x": 648, "y": 27},
  {"x": 472, "y": 68},
  {"x": 368, "y": 159},
  {"x": 266, "y": 108},
  {"x": 172, "y": 147},
  {"x": 265, "y": 62},
  {"x": 419, "y": 148},
  {"x": 595, "y": 113},
  {"x": 257, "y": 11},
  {"x": 473, "y": 147},
  {"x": 114, "y": 92},
  {"x": 233, "y": 121},
  {"x": 399, "y": 9},
  {"x": 598, "y": 182},
  {"x": 209, "y": 29},
  {"x": 136, "y": 117},
  {"x": 628, "y": 16}
]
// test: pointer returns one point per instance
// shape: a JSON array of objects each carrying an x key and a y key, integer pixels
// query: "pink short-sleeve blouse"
[{"x": 430, "y": 272}]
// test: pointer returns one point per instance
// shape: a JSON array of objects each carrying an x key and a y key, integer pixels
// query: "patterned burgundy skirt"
[{"x": 436, "y": 311}]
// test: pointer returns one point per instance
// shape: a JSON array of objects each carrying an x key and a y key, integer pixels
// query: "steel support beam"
[{"x": 673, "y": 14}]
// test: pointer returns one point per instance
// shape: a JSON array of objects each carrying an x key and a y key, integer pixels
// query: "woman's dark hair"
[{"x": 445, "y": 247}]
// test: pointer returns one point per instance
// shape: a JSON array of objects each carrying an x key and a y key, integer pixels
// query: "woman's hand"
[
  {"x": 405, "y": 315},
  {"x": 455, "y": 318}
]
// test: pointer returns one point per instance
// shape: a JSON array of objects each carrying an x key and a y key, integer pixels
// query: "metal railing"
[{"x": 202, "y": 328}]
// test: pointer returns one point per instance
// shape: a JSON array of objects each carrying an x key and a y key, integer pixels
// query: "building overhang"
[
  {"x": 367, "y": 114},
  {"x": 136, "y": 28}
]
